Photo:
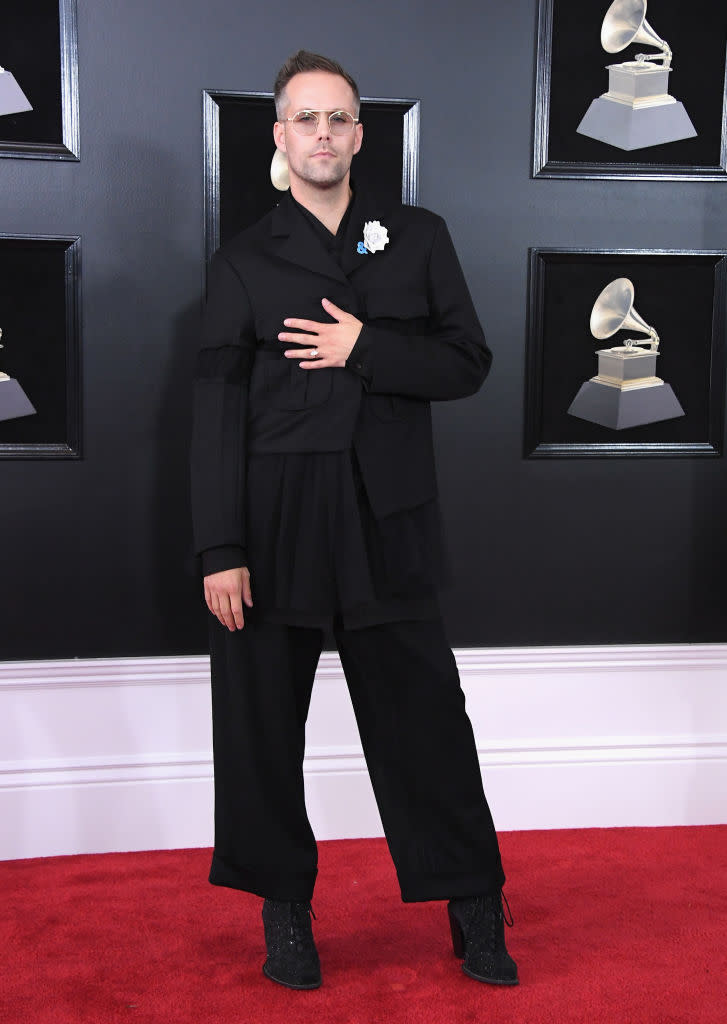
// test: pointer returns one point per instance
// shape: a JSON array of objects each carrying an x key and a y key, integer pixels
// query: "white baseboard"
[{"x": 102, "y": 755}]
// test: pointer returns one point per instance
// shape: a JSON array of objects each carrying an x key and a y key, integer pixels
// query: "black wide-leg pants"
[{"x": 417, "y": 740}]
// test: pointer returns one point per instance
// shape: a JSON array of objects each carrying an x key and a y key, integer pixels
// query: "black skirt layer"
[{"x": 317, "y": 554}]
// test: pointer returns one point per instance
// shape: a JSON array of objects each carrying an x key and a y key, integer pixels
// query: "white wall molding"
[
  {"x": 103, "y": 754},
  {"x": 80, "y": 672},
  {"x": 91, "y": 771},
  {"x": 645, "y": 656},
  {"x": 323, "y": 760},
  {"x": 77, "y": 673}
]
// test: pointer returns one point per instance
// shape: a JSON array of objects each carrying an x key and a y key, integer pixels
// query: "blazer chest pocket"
[
  {"x": 397, "y": 304},
  {"x": 290, "y": 388}
]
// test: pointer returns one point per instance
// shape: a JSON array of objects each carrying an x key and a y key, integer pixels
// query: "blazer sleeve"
[
  {"x": 450, "y": 361},
  {"x": 217, "y": 454}
]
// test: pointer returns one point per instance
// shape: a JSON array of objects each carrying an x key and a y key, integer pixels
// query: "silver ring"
[{"x": 313, "y": 353}]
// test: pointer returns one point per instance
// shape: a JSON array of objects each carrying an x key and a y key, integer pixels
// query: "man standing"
[{"x": 329, "y": 327}]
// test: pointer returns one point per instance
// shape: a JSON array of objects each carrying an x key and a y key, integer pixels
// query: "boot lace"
[
  {"x": 505, "y": 916},
  {"x": 490, "y": 910},
  {"x": 300, "y": 924}
]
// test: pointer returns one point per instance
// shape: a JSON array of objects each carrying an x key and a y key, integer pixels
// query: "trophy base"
[
  {"x": 12, "y": 98},
  {"x": 14, "y": 403},
  {"x": 628, "y": 127},
  {"x": 624, "y": 366},
  {"x": 619, "y": 409}
]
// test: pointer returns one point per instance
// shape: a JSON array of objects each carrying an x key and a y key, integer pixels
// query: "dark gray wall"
[{"x": 92, "y": 552}]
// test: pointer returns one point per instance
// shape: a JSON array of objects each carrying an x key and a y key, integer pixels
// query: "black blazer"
[{"x": 421, "y": 341}]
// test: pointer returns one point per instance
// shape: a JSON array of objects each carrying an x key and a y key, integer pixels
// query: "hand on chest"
[{"x": 382, "y": 290}]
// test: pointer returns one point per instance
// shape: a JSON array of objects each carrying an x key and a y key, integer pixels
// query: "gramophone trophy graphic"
[
  {"x": 14, "y": 403},
  {"x": 637, "y": 111},
  {"x": 626, "y": 391}
]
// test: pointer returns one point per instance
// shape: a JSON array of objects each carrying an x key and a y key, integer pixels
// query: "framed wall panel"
[
  {"x": 38, "y": 45},
  {"x": 238, "y": 148},
  {"x": 571, "y": 72},
  {"x": 39, "y": 317},
  {"x": 681, "y": 294}
]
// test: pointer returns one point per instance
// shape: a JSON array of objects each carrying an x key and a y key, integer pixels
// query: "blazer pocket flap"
[
  {"x": 289, "y": 387},
  {"x": 269, "y": 318},
  {"x": 396, "y": 304}
]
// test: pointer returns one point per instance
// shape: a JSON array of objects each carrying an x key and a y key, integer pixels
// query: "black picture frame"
[
  {"x": 39, "y": 44},
  {"x": 571, "y": 72},
  {"x": 238, "y": 148},
  {"x": 40, "y": 318},
  {"x": 681, "y": 293}
]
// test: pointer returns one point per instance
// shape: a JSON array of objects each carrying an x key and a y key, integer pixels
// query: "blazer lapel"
[
  {"x": 297, "y": 243},
  {"x": 366, "y": 207}
]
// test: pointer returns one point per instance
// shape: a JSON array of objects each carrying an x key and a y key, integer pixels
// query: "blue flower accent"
[{"x": 361, "y": 249}]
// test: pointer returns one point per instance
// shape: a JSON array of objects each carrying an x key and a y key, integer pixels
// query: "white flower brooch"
[{"x": 375, "y": 237}]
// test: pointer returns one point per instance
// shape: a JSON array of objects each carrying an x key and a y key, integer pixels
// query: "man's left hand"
[{"x": 332, "y": 342}]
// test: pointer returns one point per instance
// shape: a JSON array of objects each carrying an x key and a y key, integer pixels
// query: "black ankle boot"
[
  {"x": 478, "y": 935},
  {"x": 292, "y": 955}
]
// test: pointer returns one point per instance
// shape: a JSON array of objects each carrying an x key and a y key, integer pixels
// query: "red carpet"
[{"x": 617, "y": 926}]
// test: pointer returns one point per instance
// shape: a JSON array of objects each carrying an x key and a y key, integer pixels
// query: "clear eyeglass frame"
[{"x": 340, "y": 122}]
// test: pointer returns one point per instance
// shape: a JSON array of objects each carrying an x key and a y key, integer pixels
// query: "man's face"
[{"x": 321, "y": 159}]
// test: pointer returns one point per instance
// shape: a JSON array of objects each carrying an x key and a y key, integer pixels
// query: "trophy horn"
[
  {"x": 279, "y": 171},
  {"x": 625, "y": 23},
  {"x": 614, "y": 310}
]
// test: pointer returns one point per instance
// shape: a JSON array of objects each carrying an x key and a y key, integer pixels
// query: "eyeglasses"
[{"x": 305, "y": 122}]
